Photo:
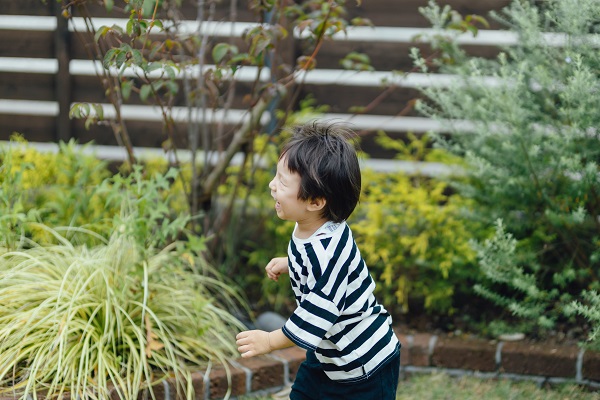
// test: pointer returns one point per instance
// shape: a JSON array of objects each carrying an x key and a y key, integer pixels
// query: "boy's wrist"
[{"x": 269, "y": 342}]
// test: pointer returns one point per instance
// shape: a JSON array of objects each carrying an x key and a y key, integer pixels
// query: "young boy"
[{"x": 351, "y": 350}]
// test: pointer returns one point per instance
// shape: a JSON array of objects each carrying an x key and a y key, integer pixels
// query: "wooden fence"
[{"x": 44, "y": 68}]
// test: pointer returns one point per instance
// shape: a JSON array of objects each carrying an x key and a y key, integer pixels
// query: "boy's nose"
[{"x": 272, "y": 184}]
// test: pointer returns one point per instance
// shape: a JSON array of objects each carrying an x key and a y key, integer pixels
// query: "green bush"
[
  {"x": 589, "y": 307},
  {"x": 104, "y": 312},
  {"x": 70, "y": 188},
  {"x": 58, "y": 188},
  {"x": 414, "y": 234},
  {"x": 531, "y": 149}
]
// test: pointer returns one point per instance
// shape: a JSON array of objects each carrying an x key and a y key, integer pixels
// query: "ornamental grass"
[{"x": 97, "y": 322}]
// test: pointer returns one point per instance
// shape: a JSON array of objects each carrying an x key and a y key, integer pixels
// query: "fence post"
[{"x": 63, "y": 77}]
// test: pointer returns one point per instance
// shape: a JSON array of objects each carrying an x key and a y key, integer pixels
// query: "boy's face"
[{"x": 285, "y": 187}]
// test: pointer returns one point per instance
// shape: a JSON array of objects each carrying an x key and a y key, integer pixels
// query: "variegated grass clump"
[{"x": 102, "y": 320}]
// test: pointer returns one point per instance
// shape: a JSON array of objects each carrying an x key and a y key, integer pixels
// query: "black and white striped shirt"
[{"x": 337, "y": 316}]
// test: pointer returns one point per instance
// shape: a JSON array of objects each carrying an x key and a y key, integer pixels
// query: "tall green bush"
[
  {"x": 531, "y": 146},
  {"x": 107, "y": 309}
]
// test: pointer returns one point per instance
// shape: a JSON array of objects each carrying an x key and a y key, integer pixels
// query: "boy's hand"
[
  {"x": 253, "y": 343},
  {"x": 276, "y": 267}
]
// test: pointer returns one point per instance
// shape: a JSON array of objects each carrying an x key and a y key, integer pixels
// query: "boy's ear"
[{"x": 316, "y": 204}]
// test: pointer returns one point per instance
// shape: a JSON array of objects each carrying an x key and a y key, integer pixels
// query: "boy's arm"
[{"x": 257, "y": 342}]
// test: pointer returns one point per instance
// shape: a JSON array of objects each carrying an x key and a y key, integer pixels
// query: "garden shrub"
[
  {"x": 531, "y": 149},
  {"x": 589, "y": 307},
  {"x": 414, "y": 235},
  {"x": 109, "y": 308},
  {"x": 69, "y": 188},
  {"x": 57, "y": 188}
]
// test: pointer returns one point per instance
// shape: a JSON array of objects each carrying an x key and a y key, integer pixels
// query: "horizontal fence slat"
[
  {"x": 248, "y": 74},
  {"x": 117, "y": 153},
  {"x": 379, "y": 34},
  {"x": 381, "y": 12},
  {"x": 180, "y": 114}
]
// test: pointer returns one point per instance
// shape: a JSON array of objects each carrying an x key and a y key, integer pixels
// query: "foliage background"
[{"x": 531, "y": 154}]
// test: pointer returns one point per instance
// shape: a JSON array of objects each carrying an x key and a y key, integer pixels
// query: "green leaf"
[
  {"x": 88, "y": 122},
  {"x": 108, "y": 4},
  {"x": 153, "y": 66},
  {"x": 242, "y": 58},
  {"x": 99, "y": 111},
  {"x": 172, "y": 87},
  {"x": 121, "y": 58},
  {"x": 219, "y": 52},
  {"x": 137, "y": 56},
  {"x": 259, "y": 44},
  {"x": 170, "y": 70},
  {"x": 85, "y": 109},
  {"x": 358, "y": 21},
  {"x": 145, "y": 91},
  {"x": 157, "y": 23},
  {"x": 101, "y": 32},
  {"x": 75, "y": 111},
  {"x": 126, "y": 87},
  {"x": 129, "y": 27},
  {"x": 108, "y": 57},
  {"x": 117, "y": 29}
]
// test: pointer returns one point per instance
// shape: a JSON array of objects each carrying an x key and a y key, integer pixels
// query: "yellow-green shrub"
[
  {"x": 413, "y": 238},
  {"x": 69, "y": 188},
  {"x": 57, "y": 188}
]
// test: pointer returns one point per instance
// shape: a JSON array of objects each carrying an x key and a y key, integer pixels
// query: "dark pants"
[{"x": 311, "y": 383}]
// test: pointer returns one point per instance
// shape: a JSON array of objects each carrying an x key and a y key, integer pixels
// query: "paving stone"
[
  {"x": 266, "y": 372},
  {"x": 591, "y": 366},
  {"x": 461, "y": 353},
  {"x": 539, "y": 359},
  {"x": 419, "y": 354},
  {"x": 219, "y": 382},
  {"x": 294, "y": 356}
]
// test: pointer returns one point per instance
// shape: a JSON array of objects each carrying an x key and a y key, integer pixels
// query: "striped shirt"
[{"x": 337, "y": 315}]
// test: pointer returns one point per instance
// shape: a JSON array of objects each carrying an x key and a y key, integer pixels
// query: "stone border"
[{"x": 421, "y": 353}]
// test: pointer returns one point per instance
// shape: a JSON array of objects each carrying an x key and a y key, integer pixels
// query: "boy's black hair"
[{"x": 328, "y": 167}]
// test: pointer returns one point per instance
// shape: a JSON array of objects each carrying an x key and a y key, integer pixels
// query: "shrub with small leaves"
[
  {"x": 589, "y": 307},
  {"x": 526, "y": 123}
]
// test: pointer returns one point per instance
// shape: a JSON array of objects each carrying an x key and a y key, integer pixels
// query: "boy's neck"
[{"x": 307, "y": 228}]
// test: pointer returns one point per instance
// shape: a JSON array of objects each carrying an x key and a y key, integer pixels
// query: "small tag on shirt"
[{"x": 330, "y": 226}]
